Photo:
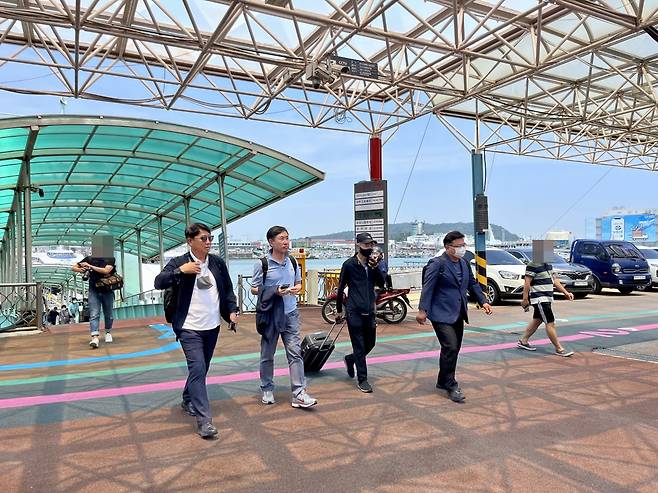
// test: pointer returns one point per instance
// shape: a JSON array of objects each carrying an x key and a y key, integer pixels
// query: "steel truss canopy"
[
  {"x": 567, "y": 79},
  {"x": 117, "y": 176}
]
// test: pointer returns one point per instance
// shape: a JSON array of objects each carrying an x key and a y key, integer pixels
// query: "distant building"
[
  {"x": 638, "y": 226},
  {"x": 561, "y": 239}
]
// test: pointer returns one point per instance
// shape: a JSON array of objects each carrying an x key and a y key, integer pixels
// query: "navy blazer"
[
  {"x": 171, "y": 275},
  {"x": 443, "y": 298}
]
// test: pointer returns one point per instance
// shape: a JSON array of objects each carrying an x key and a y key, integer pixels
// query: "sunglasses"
[{"x": 206, "y": 238}]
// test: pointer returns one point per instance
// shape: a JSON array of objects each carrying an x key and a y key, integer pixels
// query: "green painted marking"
[
  {"x": 250, "y": 356},
  {"x": 89, "y": 374}
]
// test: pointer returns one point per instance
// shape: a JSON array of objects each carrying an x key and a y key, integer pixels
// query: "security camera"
[
  {"x": 338, "y": 69},
  {"x": 324, "y": 72}
]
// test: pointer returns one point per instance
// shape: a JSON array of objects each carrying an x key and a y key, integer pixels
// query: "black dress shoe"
[
  {"x": 456, "y": 395},
  {"x": 207, "y": 430},
  {"x": 349, "y": 366},
  {"x": 187, "y": 408}
]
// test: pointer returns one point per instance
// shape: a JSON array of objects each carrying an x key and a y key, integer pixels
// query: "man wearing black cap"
[{"x": 360, "y": 274}]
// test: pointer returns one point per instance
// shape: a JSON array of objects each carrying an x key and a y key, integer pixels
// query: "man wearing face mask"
[
  {"x": 360, "y": 274},
  {"x": 204, "y": 294},
  {"x": 443, "y": 300}
]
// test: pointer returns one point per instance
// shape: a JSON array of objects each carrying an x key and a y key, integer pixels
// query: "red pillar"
[{"x": 375, "y": 157}]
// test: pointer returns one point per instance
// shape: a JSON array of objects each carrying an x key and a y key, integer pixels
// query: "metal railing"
[
  {"x": 151, "y": 297},
  {"x": 327, "y": 283},
  {"x": 246, "y": 300},
  {"x": 21, "y": 306}
]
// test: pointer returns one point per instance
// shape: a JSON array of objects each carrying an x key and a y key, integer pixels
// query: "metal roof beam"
[{"x": 217, "y": 36}]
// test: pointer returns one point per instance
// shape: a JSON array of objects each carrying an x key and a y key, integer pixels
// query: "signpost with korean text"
[{"x": 371, "y": 211}]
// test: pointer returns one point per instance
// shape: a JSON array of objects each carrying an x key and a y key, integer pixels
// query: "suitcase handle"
[{"x": 337, "y": 334}]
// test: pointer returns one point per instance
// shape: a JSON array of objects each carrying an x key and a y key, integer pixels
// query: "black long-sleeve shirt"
[{"x": 361, "y": 282}]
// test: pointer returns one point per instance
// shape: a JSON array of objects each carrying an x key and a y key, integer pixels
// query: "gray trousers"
[{"x": 293, "y": 343}]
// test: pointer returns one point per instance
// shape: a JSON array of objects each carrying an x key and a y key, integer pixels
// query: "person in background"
[
  {"x": 74, "y": 310},
  {"x": 383, "y": 267},
  {"x": 95, "y": 268},
  {"x": 443, "y": 301},
  {"x": 360, "y": 274},
  {"x": 64, "y": 315},
  {"x": 53, "y": 314},
  {"x": 538, "y": 293}
]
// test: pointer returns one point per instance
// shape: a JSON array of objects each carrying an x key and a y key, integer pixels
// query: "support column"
[
  {"x": 222, "y": 210},
  {"x": 371, "y": 199},
  {"x": 139, "y": 263},
  {"x": 27, "y": 221},
  {"x": 12, "y": 248},
  {"x": 186, "y": 205},
  {"x": 123, "y": 267},
  {"x": 480, "y": 219},
  {"x": 375, "y": 157},
  {"x": 161, "y": 243},
  {"x": 20, "y": 272},
  {"x": 25, "y": 181},
  {"x": 3, "y": 261}
]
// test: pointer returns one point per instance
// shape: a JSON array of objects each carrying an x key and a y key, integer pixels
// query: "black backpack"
[
  {"x": 441, "y": 267},
  {"x": 170, "y": 302},
  {"x": 263, "y": 262}
]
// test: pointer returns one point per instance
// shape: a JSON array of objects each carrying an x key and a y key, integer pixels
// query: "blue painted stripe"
[{"x": 112, "y": 357}]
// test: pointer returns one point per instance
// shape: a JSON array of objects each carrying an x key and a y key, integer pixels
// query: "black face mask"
[{"x": 366, "y": 252}]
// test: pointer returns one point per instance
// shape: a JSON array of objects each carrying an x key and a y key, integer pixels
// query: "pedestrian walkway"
[{"x": 113, "y": 424}]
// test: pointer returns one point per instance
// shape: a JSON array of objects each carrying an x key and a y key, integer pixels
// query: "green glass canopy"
[{"x": 116, "y": 176}]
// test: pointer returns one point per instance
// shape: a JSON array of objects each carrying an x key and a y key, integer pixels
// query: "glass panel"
[{"x": 155, "y": 146}]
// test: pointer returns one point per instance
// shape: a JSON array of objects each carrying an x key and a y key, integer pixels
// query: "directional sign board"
[
  {"x": 360, "y": 68},
  {"x": 371, "y": 211}
]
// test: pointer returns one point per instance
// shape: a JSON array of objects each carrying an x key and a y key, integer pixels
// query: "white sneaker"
[
  {"x": 303, "y": 400},
  {"x": 94, "y": 343},
  {"x": 108, "y": 337},
  {"x": 268, "y": 397}
]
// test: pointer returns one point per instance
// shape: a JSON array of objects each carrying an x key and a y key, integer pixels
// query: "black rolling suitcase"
[{"x": 317, "y": 347}]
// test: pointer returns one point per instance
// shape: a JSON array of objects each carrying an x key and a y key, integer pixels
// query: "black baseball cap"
[{"x": 365, "y": 238}]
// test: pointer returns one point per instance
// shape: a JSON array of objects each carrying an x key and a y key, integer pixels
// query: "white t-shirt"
[{"x": 204, "y": 305}]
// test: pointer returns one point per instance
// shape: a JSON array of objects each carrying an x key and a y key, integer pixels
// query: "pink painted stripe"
[{"x": 38, "y": 400}]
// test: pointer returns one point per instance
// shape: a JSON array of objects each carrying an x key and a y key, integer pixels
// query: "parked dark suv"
[
  {"x": 577, "y": 278},
  {"x": 615, "y": 264}
]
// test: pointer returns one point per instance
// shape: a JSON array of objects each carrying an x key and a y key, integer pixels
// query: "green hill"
[{"x": 400, "y": 231}]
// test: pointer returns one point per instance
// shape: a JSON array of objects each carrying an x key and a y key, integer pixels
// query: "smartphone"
[{"x": 284, "y": 286}]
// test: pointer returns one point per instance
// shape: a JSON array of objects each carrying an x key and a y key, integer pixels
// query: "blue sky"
[{"x": 526, "y": 195}]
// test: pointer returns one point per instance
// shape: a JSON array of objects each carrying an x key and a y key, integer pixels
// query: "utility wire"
[
  {"x": 579, "y": 199},
  {"x": 422, "y": 139}
]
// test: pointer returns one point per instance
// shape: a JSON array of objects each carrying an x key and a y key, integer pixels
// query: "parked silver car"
[{"x": 577, "y": 278}]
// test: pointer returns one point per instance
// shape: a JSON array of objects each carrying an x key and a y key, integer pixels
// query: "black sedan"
[{"x": 577, "y": 278}]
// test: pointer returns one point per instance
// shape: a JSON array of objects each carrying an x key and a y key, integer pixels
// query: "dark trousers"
[
  {"x": 450, "y": 336},
  {"x": 363, "y": 334},
  {"x": 198, "y": 346}
]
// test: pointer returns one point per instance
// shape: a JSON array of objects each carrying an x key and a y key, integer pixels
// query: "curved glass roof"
[{"x": 116, "y": 175}]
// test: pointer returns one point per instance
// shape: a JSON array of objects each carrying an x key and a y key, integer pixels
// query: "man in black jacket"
[
  {"x": 203, "y": 292},
  {"x": 361, "y": 274}
]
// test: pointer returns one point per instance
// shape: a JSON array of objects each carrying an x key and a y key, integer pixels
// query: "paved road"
[{"x": 72, "y": 419}]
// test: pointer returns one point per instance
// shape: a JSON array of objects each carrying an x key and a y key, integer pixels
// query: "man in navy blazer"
[
  {"x": 203, "y": 294},
  {"x": 443, "y": 300}
]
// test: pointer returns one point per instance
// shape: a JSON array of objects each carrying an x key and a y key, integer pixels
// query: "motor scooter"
[{"x": 391, "y": 305}]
